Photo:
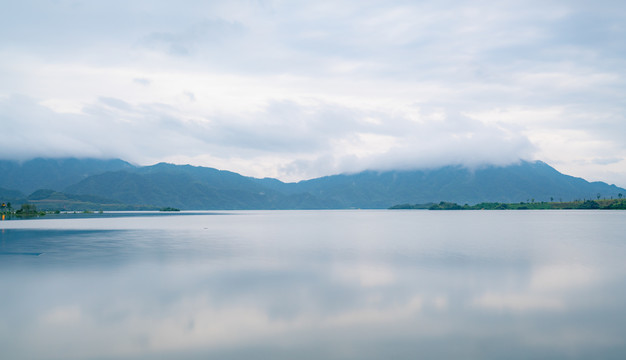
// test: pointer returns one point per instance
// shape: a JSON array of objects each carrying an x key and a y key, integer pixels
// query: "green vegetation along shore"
[
  {"x": 26, "y": 210},
  {"x": 600, "y": 204}
]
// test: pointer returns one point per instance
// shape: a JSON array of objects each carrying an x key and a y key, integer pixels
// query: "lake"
[{"x": 356, "y": 284}]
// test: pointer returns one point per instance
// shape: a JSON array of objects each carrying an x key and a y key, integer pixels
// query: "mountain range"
[{"x": 91, "y": 184}]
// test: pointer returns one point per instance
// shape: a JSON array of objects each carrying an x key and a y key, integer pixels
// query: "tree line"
[{"x": 600, "y": 204}]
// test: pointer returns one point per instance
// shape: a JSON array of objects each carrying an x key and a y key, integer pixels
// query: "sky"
[{"x": 300, "y": 89}]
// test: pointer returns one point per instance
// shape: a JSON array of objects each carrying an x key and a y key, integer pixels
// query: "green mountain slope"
[
  {"x": 192, "y": 187},
  {"x": 187, "y": 187},
  {"x": 513, "y": 183},
  {"x": 53, "y": 174},
  {"x": 13, "y": 196}
]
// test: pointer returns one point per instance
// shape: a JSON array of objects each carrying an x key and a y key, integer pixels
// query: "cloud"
[
  {"x": 109, "y": 128},
  {"x": 518, "y": 302},
  {"x": 316, "y": 87},
  {"x": 434, "y": 140},
  {"x": 299, "y": 136},
  {"x": 142, "y": 81},
  {"x": 607, "y": 161},
  {"x": 204, "y": 34},
  {"x": 191, "y": 96}
]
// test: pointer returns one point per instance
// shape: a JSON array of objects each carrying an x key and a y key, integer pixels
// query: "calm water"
[{"x": 316, "y": 285}]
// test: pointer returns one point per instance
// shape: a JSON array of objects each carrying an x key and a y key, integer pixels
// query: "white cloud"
[
  {"x": 296, "y": 139},
  {"x": 365, "y": 275},
  {"x": 279, "y": 89},
  {"x": 519, "y": 302},
  {"x": 548, "y": 289}
]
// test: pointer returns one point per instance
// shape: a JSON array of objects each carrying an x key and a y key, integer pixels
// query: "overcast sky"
[{"x": 300, "y": 89}]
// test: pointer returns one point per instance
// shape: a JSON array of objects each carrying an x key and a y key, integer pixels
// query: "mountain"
[
  {"x": 117, "y": 184},
  {"x": 13, "y": 196},
  {"x": 53, "y": 174},
  {"x": 514, "y": 183},
  {"x": 187, "y": 187}
]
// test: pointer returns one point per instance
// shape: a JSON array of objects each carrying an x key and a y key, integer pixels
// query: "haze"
[{"x": 296, "y": 90}]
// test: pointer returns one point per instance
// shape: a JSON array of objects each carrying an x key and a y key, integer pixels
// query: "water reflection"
[{"x": 367, "y": 285}]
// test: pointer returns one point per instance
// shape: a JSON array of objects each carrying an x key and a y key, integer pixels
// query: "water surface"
[{"x": 315, "y": 285}]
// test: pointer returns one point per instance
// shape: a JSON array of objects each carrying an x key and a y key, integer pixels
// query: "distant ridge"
[
  {"x": 54, "y": 174},
  {"x": 187, "y": 187},
  {"x": 118, "y": 183},
  {"x": 523, "y": 181}
]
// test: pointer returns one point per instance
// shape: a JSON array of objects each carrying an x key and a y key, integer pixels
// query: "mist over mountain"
[
  {"x": 190, "y": 187},
  {"x": 55, "y": 174},
  {"x": 7, "y": 195},
  {"x": 525, "y": 181},
  {"x": 119, "y": 184}
]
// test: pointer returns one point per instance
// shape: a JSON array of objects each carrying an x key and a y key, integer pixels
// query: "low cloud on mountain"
[{"x": 290, "y": 90}]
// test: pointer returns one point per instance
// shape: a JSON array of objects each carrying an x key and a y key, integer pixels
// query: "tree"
[
  {"x": 589, "y": 204},
  {"x": 618, "y": 195},
  {"x": 27, "y": 209}
]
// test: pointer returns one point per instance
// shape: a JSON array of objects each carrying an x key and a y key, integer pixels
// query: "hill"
[
  {"x": 11, "y": 196},
  {"x": 117, "y": 184},
  {"x": 524, "y": 181},
  {"x": 187, "y": 187},
  {"x": 55, "y": 174}
]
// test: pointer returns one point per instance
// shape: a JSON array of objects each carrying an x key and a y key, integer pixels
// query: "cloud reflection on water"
[{"x": 317, "y": 297}]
